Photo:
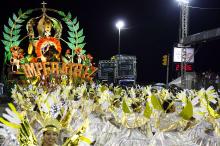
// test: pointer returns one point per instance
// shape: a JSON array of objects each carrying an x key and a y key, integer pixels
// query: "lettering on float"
[{"x": 47, "y": 68}]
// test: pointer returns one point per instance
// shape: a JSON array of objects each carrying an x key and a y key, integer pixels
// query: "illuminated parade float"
[{"x": 56, "y": 101}]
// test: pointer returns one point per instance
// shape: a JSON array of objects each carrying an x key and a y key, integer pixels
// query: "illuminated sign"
[
  {"x": 188, "y": 57},
  {"x": 187, "y": 67}
]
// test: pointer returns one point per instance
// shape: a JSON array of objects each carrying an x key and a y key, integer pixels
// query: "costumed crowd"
[{"x": 99, "y": 114}]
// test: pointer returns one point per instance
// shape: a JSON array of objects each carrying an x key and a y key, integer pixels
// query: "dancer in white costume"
[
  {"x": 205, "y": 134},
  {"x": 170, "y": 127},
  {"x": 171, "y": 132},
  {"x": 207, "y": 112}
]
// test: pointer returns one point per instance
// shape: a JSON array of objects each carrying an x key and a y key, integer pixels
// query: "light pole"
[
  {"x": 183, "y": 33},
  {"x": 120, "y": 24},
  {"x": 184, "y": 18}
]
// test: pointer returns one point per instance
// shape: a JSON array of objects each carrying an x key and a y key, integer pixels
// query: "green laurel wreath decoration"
[
  {"x": 11, "y": 32},
  {"x": 76, "y": 37}
]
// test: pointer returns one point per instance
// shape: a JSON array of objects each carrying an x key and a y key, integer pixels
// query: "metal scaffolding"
[{"x": 183, "y": 33}]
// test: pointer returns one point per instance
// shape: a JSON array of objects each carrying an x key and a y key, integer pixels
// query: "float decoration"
[
  {"x": 44, "y": 34},
  {"x": 11, "y": 32},
  {"x": 76, "y": 38}
]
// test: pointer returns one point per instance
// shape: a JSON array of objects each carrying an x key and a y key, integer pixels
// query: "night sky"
[{"x": 151, "y": 30}]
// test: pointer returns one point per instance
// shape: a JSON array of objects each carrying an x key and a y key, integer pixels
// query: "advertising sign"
[{"x": 178, "y": 55}]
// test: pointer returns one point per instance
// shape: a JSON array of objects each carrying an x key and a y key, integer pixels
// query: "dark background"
[{"x": 151, "y": 30}]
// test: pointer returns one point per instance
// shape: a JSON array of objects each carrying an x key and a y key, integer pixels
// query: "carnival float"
[{"x": 57, "y": 102}]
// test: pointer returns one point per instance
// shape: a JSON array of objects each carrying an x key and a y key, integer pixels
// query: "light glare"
[
  {"x": 183, "y": 1},
  {"x": 120, "y": 24}
]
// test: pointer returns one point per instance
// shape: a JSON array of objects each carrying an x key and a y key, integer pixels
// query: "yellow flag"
[
  {"x": 156, "y": 103},
  {"x": 147, "y": 111},
  {"x": 187, "y": 111},
  {"x": 125, "y": 107}
]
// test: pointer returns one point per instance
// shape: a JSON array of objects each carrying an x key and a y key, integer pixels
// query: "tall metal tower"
[
  {"x": 183, "y": 33},
  {"x": 184, "y": 21}
]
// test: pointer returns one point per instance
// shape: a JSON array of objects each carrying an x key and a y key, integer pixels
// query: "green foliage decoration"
[
  {"x": 76, "y": 38},
  {"x": 11, "y": 32}
]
